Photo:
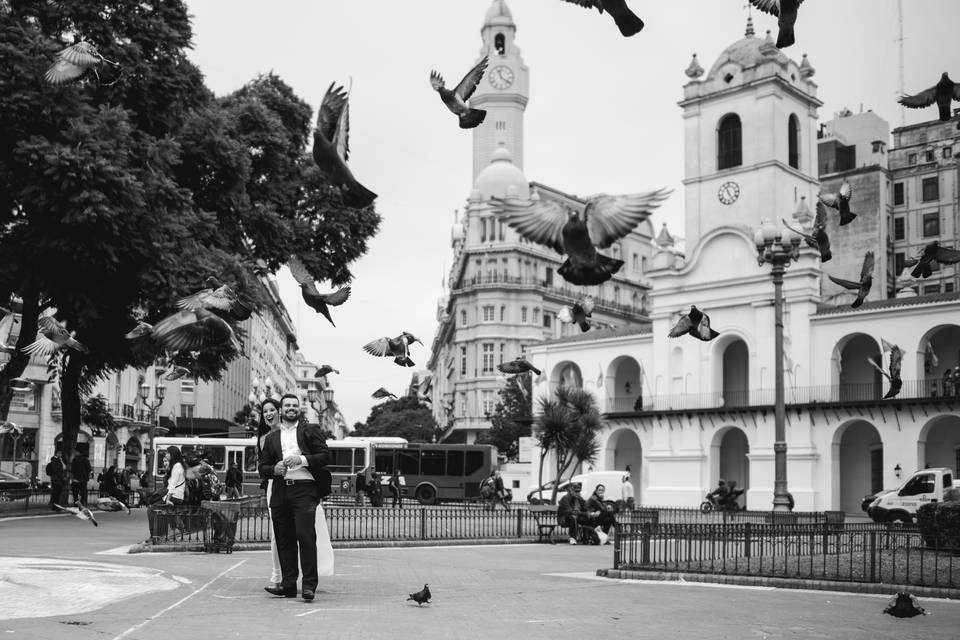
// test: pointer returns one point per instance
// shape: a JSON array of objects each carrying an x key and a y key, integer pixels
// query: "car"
[{"x": 12, "y": 487}]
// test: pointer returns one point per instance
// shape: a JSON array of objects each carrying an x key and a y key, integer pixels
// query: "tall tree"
[
  {"x": 511, "y": 418},
  {"x": 568, "y": 425},
  {"x": 405, "y": 417}
]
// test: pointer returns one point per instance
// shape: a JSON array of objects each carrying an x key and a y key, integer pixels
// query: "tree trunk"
[
  {"x": 19, "y": 360},
  {"x": 70, "y": 404}
]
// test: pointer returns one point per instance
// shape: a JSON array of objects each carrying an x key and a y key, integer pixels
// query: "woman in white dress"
[{"x": 270, "y": 420}]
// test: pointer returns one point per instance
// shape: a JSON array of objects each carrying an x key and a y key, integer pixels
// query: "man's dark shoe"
[
  {"x": 279, "y": 591},
  {"x": 307, "y": 595}
]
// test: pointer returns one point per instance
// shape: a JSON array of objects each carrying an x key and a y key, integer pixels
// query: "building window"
[
  {"x": 546, "y": 320},
  {"x": 898, "y": 193},
  {"x": 948, "y": 152},
  {"x": 503, "y": 312},
  {"x": 523, "y": 315},
  {"x": 898, "y": 262},
  {"x": 928, "y": 155},
  {"x": 931, "y": 224},
  {"x": 931, "y": 189},
  {"x": 548, "y": 277},
  {"x": 487, "y": 403},
  {"x": 931, "y": 289},
  {"x": 947, "y": 287},
  {"x": 463, "y": 404},
  {"x": 488, "y": 313},
  {"x": 500, "y": 44},
  {"x": 463, "y": 361},
  {"x": 483, "y": 230},
  {"x": 536, "y": 315},
  {"x": 729, "y": 146},
  {"x": 912, "y": 158},
  {"x": 503, "y": 348},
  {"x": 463, "y": 317},
  {"x": 616, "y": 295},
  {"x": 636, "y": 262},
  {"x": 186, "y": 411},
  {"x": 487, "y": 361},
  {"x": 899, "y": 232},
  {"x": 793, "y": 141},
  {"x": 643, "y": 264}
]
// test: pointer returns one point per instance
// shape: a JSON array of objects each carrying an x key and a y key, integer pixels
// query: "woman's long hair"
[
  {"x": 263, "y": 428},
  {"x": 174, "y": 456}
]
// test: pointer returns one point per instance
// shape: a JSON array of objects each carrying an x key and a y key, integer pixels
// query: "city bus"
[
  {"x": 220, "y": 451},
  {"x": 437, "y": 472}
]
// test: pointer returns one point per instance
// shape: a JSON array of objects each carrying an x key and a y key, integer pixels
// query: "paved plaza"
[{"x": 62, "y": 578}]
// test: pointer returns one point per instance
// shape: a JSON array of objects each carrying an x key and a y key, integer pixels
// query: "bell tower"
[{"x": 503, "y": 91}]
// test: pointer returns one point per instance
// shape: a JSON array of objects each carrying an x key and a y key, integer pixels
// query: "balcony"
[
  {"x": 567, "y": 294},
  {"x": 820, "y": 394}
]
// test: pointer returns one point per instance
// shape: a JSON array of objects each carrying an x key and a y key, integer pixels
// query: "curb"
[
  {"x": 781, "y": 583},
  {"x": 145, "y": 547}
]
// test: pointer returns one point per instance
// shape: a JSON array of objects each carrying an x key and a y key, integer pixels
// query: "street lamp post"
[
  {"x": 159, "y": 392},
  {"x": 778, "y": 248}
]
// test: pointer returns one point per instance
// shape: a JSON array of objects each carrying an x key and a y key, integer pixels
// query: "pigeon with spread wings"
[
  {"x": 786, "y": 12},
  {"x": 862, "y": 287},
  {"x": 397, "y": 348},
  {"x": 942, "y": 93},
  {"x": 193, "y": 330},
  {"x": 841, "y": 202},
  {"x": 74, "y": 61},
  {"x": 79, "y": 511},
  {"x": 219, "y": 298},
  {"x": 817, "y": 238},
  {"x": 904, "y": 605},
  {"x": 331, "y": 147},
  {"x": 456, "y": 100},
  {"x": 627, "y": 21},
  {"x": 604, "y": 220},
  {"x": 933, "y": 252},
  {"x": 517, "y": 366},
  {"x": 52, "y": 336},
  {"x": 896, "y": 358},
  {"x": 383, "y": 393},
  {"x": 578, "y": 313},
  {"x": 695, "y": 323},
  {"x": 319, "y": 301},
  {"x": 324, "y": 371}
]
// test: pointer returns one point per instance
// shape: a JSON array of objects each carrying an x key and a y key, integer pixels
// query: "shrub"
[{"x": 939, "y": 523}]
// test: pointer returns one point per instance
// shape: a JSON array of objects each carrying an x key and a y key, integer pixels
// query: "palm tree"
[{"x": 568, "y": 425}]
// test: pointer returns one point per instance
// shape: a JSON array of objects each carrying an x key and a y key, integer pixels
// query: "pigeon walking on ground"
[
  {"x": 695, "y": 323},
  {"x": 627, "y": 21},
  {"x": 383, "y": 393},
  {"x": 818, "y": 238},
  {"x": 904, "y": 605},
  {"x": 932, "y": 252},
  {"x": 74, "y": 61},
  {"x": 331, "y": 147},
  {"x": 517, "y": 365},
  {"x": 942, "y": 93},
  {"x": 456, "y": 100},
  {"x": 318, "y": 301},
  {"x": 841, "y": 202},
  {"x": 605, "y": 219},
  {"x": 896, "y": 357},
  {"x": 397, "y": 348},
  {"x": 786, "y": 12},
  {"x": 52, "y": 336},
  {"x": 578, "y": 313},
  {"x": 862, "y": 287},
  {"x": 79, "y": 511},
  {"x": 421, "y": 596}
]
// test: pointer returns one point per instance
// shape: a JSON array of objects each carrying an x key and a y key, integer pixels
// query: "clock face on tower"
[
  {"x": 729, "y": 192},
  {"x": 500, "y": 77}
]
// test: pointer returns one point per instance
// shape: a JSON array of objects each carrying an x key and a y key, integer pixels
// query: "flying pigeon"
[
  {"x": 325, "y": 370},
  {"x": 841, "y": 202},
  {"x": 695, "y": 323},
  {"x": 605, "y": 219},
  {"x": 627, "y": 21},
  {"x": 421, "y": 596},
  {"x": 398, "y": 348},
  {"x": 382, "y": 393},
  {"x": 456, "y": 100},
  {"x": 142, "y": 329},
  {"x": 578, "y": 313},
  {"x": 10, "y": 428},
  {"x": 517, "y": 365},
  {"x": 896, "y": 357},
  {"x": 318, "y": 301},
  {"x": 819, "y": 239},
  {"x": 193, "y": 330},
  {"x": 941, "y": 93},
  {"x": 786, "y": 11},
  {"x": 219, "y": 298},
  {"x": 863, "y": 286},
  {"x": 74, "y": 61},
  {"x": 51, "y": 337},
  {"x": 175, "y": 372},
  {"x": 331, "y": 147},
  {"x": 932, "y": 252},
  {"x": 904, "y": 605},
  {"x": 79, "y": 511},
  {"x": 22, "y": 384}
]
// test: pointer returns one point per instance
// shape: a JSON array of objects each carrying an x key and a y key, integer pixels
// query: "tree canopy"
[
  {"x": 568, "y": 425},
  {"x": 405, "y": 417},
  {"x": 511, "y": 418}
]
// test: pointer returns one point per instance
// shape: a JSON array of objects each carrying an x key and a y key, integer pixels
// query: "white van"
[{"x": 611, "y": 480}]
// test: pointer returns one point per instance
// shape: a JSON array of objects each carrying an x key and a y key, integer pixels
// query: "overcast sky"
[{"x": 602, "y": 117}]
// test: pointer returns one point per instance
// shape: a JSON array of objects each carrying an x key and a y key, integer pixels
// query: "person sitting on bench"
[
  {"x": 572, "y": 511},
  {"x": 600, "y": 513}
]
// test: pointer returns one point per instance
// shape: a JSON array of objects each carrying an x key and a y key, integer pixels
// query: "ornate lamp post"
[
  {"x": 159, "y": 391},
  {"x": 778, "y": 248}
]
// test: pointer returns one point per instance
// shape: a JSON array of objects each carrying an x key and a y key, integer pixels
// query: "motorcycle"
[{"x": 713, "y": 503}]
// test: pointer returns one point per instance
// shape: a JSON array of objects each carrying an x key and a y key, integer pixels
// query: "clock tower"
[{"x": 503, "y": 91}]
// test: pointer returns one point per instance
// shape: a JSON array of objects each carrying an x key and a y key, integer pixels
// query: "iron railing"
[
  {"x": 868, "y": 552},
  {"x": 854, "y": 392}
]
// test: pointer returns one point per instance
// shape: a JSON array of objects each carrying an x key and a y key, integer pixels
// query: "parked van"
[
  {"x": 922, "y": 487},
  {"x": 611, "y": 480}
]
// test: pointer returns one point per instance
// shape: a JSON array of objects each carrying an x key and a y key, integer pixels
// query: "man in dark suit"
[
  {"x": 57, "y": 471},
  {"x": 295, "y": 456}
]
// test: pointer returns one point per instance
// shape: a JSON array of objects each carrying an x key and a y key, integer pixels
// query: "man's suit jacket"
[{"x": 312, "y": 446}]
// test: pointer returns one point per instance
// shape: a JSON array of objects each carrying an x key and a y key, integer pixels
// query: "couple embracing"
[{"x": 293, "y": 460}]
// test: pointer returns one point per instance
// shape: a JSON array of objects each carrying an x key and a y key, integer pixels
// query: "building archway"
[
  {"x": 133, "y": 452},
  {"x": 857, "y": 463},
  {"x": 729, "y": 459},
  {"x": 937, "y": 354},
  {"x": 624, "y": 450},
  {"x": 735, "y": 374},
  {"x": 626, "y": 377},
  {"x": 938, "y": 444},
  {"x": 566, "y": 374},
  {"x": 855, "y": 378}
]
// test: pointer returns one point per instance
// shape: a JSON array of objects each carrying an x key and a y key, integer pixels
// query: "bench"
[{"x": 545, "y": 515}]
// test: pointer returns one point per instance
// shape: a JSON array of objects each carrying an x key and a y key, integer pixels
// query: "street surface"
[{"x": 61, "y": 577}]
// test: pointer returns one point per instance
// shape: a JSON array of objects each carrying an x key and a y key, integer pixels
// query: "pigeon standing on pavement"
[
  {"x": 841, "y": 202},
  {"x": 456, "y": 100},
  {"x": 904, "y": 605},
  {"x": 319, "y": 301},
  {"x": 786, "y": 12},
  {"x": 605, "y": 219},
  {"x": 818, "y": 238},
  {"x": 398, "y": 348},
  {"x": 896, "y": 358},
  {"x": 627, "y": 21},
  {"x": 945, "y": 91},
  {"x": 74, "y": 61},
  {"x": 932, "y": 252},
  {"x": 421, "y": 596},
  {"x": 79, "y": 511},
  {"x": 517, "y": 365},
  {"x": 383, "y": 393},
  {"x": 331, "y": 147},
  {"x": 52, "y": 336},
  {"x": 695, "y": 323},
  {"x": 862, "y": 287}
]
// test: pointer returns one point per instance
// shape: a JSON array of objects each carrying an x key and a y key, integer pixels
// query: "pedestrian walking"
[
  {"x": 626, "y": 492},
  {"x": 361, "y": 482},
  {"x": 57, "y": 472},
  {"x": 80, "y": 472},
  {"x": 234, "y": 482},
  {"x": 396, "y": 481}
]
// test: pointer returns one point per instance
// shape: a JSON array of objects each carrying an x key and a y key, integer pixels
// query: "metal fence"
[
  {"x": 868, "y": 552},
  {"x": 22, "y": 501}
]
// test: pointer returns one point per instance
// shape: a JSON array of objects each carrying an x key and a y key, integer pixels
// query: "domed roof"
[
  {"x": 498, "y": 14},
  {"x": 747, "y": 52},
  {"x": 502, "y": 178}
]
